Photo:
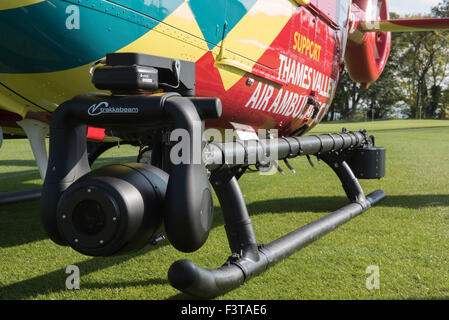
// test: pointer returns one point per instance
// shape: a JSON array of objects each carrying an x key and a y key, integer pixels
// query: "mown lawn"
[{"x": 406, "y": 236}]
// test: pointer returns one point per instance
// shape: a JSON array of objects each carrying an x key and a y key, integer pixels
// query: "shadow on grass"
[
  {"x": 416, "y": 201},
  {"x": 11, "y": 234},
  {"x": 55, "y": 281},
  {"x": 34, "y": 173},
  {"x": 429, "y": 298},
  {"x": 18, "y": 178},
  {"x": 21, "y": 224},
  {"x": 5, "y": 187},
  {"x": 18, "y": 163},
  {"x": 123, "y": 284},
  {"x": 330, "y": 204}
]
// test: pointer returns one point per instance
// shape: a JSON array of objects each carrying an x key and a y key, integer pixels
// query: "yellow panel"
[
  {"x": 302, "y": 2},
  {"x": 12, "y": 103},
  {"x": 183, "y": 19},
  {"x": 56, "y": 87},
  {"x": 164, "y": 40},
  {"x": 251, "y": 37},
  {"x": 167, "y": 40},
  {"x": 259, "y": 28},
  {"x": 230, "y": 73},
  {"x": 11, "y": 4}
]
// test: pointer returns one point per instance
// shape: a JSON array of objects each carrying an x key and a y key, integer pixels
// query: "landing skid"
[
  {"x": 20, "y": 196},
  {"x": 249, "y": 258}
]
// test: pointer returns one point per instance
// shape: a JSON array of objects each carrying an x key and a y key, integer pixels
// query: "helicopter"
[{"x": 87, "y": 73}]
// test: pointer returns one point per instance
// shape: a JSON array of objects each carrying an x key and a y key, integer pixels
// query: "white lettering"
[{"x": 73, "y": 20}]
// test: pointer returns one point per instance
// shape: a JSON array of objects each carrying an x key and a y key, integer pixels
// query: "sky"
[{"x": 411, "y": 6}]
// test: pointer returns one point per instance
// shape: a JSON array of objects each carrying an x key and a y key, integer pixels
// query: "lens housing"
[{"x": 113, "y": 210}]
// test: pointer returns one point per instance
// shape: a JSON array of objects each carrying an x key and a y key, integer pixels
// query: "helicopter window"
[
  {"x": 337, "y": 10},
  {"x": 342, "y": 12}
]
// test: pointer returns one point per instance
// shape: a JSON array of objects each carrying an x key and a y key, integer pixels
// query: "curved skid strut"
[{"x": 249, "y": 259}]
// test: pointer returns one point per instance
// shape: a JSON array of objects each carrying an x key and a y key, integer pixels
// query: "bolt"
[{"x": 158, "y": 239}]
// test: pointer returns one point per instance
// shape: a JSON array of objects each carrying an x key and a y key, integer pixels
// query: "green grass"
[
  {"x": 406, "y": 235},
  {"x": 381, "y": 125}
]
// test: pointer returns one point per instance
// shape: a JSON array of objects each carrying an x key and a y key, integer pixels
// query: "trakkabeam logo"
[{"x": 103, "y": 107}]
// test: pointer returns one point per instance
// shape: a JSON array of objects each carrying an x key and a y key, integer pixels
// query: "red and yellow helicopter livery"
[{"x": 261, "y": 64}]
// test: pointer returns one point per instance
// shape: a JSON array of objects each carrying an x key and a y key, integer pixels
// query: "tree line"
[{"x": 414, "y": 84}]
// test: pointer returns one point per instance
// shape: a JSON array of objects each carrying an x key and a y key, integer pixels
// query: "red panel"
[
  {"x": 9, "y": 119},
  {"x": 95, "y": 134},
  {"x": 306, "y": 59}
]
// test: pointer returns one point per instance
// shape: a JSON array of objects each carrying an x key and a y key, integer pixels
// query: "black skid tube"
[
  {"x": 20, "y": 196},
  {"x": 196, "y": 281},
  {"x": 249, "y": 259}
]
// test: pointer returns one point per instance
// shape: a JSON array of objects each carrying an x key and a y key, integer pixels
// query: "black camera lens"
[{"x": 89, "y": 218}]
